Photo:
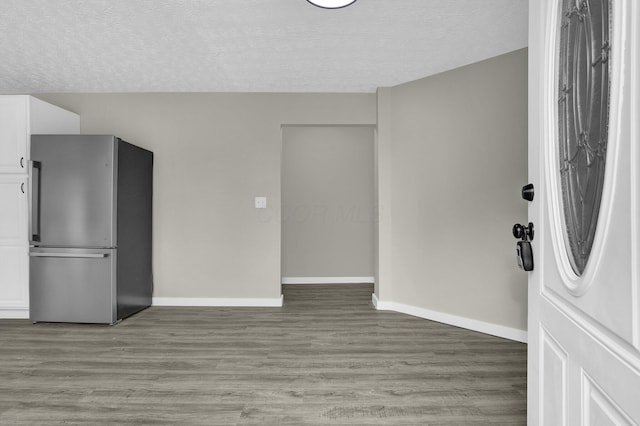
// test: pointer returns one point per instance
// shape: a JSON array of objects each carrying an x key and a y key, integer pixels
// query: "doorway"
[{"x": 328, "y": 210}]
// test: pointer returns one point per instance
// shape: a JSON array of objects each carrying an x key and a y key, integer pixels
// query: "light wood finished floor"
[{"x": 325, "y": 358}]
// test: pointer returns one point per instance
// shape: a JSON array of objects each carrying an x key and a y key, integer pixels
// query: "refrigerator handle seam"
[{"x": 34, "y": 236}]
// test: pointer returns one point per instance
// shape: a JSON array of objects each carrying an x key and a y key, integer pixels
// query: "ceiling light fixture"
[{"x": 331, "y": 4}]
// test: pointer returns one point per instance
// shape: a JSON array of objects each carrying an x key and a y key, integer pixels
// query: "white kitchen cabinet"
[
  {"x": 20, "y": 117},
  {"x": 13, "y": 213},
  {"x": 14, "y": 132},
  {"x": 14, "y": 279}
]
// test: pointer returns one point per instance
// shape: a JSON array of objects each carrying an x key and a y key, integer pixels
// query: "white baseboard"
[
  {"x": 374, "y": 300},
  {"x": 328, "y": 280},
  {"x": 218, "y": 302},
  {"x": 458, "y": 321},
  {"x": 14, "y": 313}
]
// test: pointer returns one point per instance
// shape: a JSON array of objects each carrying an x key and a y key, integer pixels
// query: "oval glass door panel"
[{"x": 583, "y": 119}]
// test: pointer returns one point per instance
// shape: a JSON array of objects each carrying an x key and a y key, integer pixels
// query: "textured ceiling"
[{"x": 245, "y": 45}]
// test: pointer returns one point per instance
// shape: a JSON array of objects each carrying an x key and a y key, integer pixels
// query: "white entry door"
[{"x": 584, "y": 161}]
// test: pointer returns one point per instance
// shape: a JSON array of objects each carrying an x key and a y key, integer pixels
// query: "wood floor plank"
[{"x": 325, "y": 358}]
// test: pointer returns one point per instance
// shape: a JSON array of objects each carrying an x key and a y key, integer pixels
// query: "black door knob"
[{"x": 523, "y": 232}]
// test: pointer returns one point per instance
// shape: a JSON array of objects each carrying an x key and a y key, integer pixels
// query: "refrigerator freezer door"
[
  {"x": 72, "y": 285},
  {"x": 73, "y": 203}
]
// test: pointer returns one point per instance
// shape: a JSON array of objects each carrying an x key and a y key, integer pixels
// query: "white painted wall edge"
[
  {"x": 14, "y": 313},
  {"x": 457, "y": 321},
  {"x": 328, "y": 280},
  {"x": 218, "y": 302}
]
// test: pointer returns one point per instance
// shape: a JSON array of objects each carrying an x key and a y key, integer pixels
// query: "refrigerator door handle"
[
  {"x": 78, "y": 255},
  {"x": 34, "y": 200}
]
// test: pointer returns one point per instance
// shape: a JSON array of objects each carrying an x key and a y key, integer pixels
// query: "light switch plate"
[{"x": 261, "y": 202}]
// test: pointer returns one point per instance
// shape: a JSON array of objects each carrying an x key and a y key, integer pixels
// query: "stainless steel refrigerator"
[{"x": 90, "y": 228}]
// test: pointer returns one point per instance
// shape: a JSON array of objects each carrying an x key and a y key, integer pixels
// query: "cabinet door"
[
  {"x": 13, "y": 211},
  {"x": 14, "y": 279},
  {"x": 14, "y": 133}
]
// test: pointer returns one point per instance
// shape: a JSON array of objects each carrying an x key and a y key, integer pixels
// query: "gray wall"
[
  {"x": 455, "y": 148},
  {"x": 327, "y": 201},
  {"x": 451, "y": 158},
  {"x": 213, "y": 154}
]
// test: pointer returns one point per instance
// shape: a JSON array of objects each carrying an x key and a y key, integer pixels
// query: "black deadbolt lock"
[{"x": 527, "y": 192}]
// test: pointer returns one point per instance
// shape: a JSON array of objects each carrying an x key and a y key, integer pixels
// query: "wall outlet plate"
[{"x": 261, "y": 202}]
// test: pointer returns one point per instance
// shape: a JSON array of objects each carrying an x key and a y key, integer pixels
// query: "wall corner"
[{"x": 382, "y": 257}]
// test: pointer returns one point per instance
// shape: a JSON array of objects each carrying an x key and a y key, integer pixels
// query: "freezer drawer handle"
[{"x": 88, "y": 255}]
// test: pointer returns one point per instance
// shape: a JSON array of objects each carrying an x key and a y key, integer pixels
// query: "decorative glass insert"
[{"x": 583, "y": 119}]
